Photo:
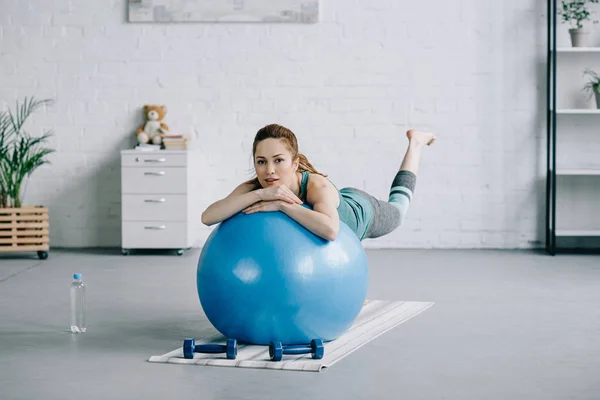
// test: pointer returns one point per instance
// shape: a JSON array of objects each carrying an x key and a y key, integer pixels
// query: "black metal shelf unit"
[
  {"x": 551, "y": 170},
  {"x": 551, "y": 130}
]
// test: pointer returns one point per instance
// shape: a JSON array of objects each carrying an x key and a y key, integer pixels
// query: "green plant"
[
  {"x": 20, "y": 153},
  {"x": 593, "y": 84},
  {"x": 576, "y": 11}
]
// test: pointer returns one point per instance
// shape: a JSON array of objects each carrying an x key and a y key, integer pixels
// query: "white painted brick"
[
  {"x": 23, "y": 15},
  {"x": 17, "y": 81}
]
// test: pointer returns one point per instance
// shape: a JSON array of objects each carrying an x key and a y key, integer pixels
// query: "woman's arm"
[
  {"x": 242, "y": 196},
  {"x": 323, "y": 220}
]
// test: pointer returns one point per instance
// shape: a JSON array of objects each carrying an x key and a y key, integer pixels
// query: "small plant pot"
[
  {"x": 597, "y": 94},
  {"x": 579, "y": 37}
]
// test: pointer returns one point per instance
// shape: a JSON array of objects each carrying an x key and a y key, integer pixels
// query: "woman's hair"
[{"x": 275, "y": 131}]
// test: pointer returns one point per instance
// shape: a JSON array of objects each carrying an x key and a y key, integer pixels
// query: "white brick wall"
[{"x": 349, "y": 86}]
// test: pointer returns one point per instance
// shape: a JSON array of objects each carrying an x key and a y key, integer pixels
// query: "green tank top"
[{"x": 354, "y": 209}]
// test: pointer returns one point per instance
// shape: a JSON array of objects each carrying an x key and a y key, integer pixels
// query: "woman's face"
[{"x": 273, "y": 163}]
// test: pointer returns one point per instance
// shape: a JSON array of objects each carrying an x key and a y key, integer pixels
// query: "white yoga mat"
[{"x": 376, "y": 318}]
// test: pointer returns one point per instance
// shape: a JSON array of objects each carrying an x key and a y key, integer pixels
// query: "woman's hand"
[
  {"x": 264, "y": 206},
  {"x": 281, "y": 192}
]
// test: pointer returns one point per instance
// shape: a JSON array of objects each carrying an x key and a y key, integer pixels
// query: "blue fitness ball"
[{"x": 263, "y": 277}]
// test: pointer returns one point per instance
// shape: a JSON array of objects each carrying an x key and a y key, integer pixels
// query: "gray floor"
[{"x": 506, "y": 325}]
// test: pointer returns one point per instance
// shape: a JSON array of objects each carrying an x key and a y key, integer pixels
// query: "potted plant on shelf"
[
  {"x": 575, "y": 12},
  {"x": 22, "y": 227},
  {"x": 593, "y": 85}
]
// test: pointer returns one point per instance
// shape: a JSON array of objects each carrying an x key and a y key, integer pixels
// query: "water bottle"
[{"x": 77, "y": 305}]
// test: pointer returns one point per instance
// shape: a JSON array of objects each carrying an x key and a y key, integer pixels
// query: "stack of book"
[
  {"x": 147, "y": 147},
  {"x": 175, "y": 142}
]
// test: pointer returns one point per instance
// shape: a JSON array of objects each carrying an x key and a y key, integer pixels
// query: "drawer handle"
[
  {"x": 161, "y": 173},
  {"x": 155, "y": 200},
  {"x": 152, "y": 160},
  {"x": 158, "y": 228}
]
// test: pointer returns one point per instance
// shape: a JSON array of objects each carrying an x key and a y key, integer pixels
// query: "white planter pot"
[{"x": 579, "y": 37}]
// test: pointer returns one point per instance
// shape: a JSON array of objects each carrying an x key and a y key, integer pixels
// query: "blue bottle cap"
[{"x": 77, "y": 276}]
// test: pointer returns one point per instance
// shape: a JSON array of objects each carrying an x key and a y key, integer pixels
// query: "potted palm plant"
[
  {"x": 576, "y": 12},
  {"x": 22, "y": 227},
  {"x": 593, "y": 85}
]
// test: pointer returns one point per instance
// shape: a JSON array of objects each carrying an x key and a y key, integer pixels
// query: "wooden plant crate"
[{"x": 25, "y": 229}]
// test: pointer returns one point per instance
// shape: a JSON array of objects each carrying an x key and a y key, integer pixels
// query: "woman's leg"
[
  {"x": 389, "y": 215},
  {"x": 417, "y": 140}
]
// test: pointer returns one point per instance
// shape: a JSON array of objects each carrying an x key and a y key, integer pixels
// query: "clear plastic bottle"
[{"x": 77, "y": 305}]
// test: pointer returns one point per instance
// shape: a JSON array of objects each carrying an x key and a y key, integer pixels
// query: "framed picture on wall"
[{"x": 293, "y": 11}]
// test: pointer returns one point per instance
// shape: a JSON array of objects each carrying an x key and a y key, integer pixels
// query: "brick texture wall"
[{"x": 349, "y": 86}]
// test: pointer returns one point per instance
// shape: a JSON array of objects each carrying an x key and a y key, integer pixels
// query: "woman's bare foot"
[{"x": 420, "y": 138}]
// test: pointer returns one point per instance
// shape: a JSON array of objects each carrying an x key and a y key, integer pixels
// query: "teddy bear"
[{"x": 153, "y": 128}]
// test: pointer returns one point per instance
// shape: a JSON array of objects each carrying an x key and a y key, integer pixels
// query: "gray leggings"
[{"x": 389, "y": 215}]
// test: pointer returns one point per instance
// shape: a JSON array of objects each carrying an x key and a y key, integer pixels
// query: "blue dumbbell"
[
  {"x": 315, "y": 348},
  {"x": 190, "y": 347}
]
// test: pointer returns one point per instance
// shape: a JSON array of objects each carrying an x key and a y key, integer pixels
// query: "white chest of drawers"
[{"x": 159, "y": 209}]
